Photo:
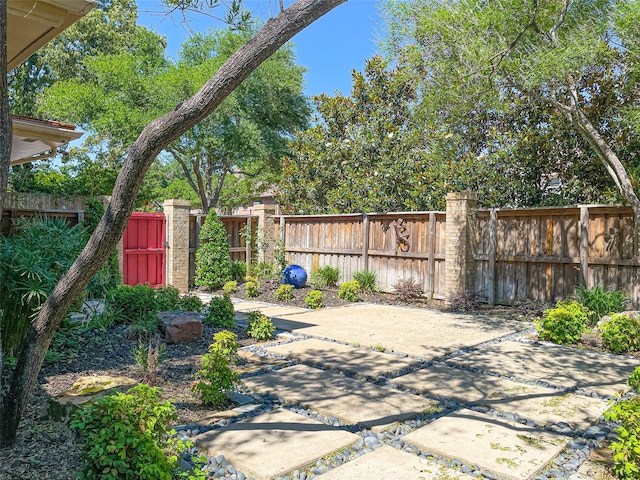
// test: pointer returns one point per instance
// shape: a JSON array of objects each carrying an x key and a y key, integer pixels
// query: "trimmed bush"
[
  {"x": 563, "y": 324},
  {"x": 348, "y": 291},
  {"x": 621, "y": 334},
  {"x": 326, "y": 276},
  {"x": 252, "y": 289},
  {"x": 314, "y": 299},
  {"x": 230, "y": 287},
  {"x": 221, "y": 312},
  {"x": 367, "y": 280},
  {"x": 238, "y": 270},
  {"x": 213, "y": 260},
  {"x": 284, "y": 293},
  {"x": 260, "y": 326}
]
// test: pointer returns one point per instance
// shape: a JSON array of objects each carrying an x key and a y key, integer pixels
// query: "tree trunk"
[
  {"x": 155, "y": 137},
  {"x": 219, "y": 184}
]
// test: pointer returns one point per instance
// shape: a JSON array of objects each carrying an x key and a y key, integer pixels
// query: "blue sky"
[{"x": 330, "y": 48}]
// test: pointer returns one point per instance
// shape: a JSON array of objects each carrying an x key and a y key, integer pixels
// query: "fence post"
[
  {"x": 266, "y": 230},
  {"x": 365, "y": 241},
  {"x": 491, "y": 271},
  {"x": 584, "y": 246},
  {"x": 460, "y": 263},
  {"x": 431, "y": 252},
  {"x": 177, "y": 251}
]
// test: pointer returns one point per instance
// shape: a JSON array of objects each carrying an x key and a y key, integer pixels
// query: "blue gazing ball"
[{"x": 294, "y": 275}]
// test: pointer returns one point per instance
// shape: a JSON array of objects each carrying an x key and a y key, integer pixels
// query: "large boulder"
[
  {"x": 181, "y": 327},
  {"x": 83, "y": 391}
]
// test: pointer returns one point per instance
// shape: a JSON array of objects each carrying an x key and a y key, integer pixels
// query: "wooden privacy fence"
[
  {"x": 544, "y": 253},
  {"x": 234, "y": 225},
  {"x": 28, "y": 205},
  {"x": 394, "y": 245}
]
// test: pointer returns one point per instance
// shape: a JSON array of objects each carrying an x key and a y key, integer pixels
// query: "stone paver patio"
[{"x": 274, "y": 444}]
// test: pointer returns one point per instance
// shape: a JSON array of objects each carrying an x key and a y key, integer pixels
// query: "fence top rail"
[
  {"x": 222, "y": 217},
  {"x": 359, "y": 215},
  {"x": 564, "y": 210}
]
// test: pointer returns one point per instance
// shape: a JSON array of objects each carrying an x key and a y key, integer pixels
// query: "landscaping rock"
[
  {"x": 83, "y": 391},
  {"x": 180, "y": 327}
]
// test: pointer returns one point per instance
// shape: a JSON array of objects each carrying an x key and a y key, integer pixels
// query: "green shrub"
[
  {"x": 190, "y": 303},
  {"x": 367, "y": 280},
  {"x": 314, "y": 299},
  {"x": 626, "y": 449},
  {"x": 326, "y": 276},
  {"x": 252, "y": 289},
  {"x": 66, "y": 343},
  {"x": 32, "y": 260},
  {"x": 125, "y": 436},
  {"x": 238, "y": 270},
  {"x": 563, "y": 324},
  {"x": 264, "y": 271},
  {"x": 230, "y": 287},
  {"x": 216, "y": 375},
  {"x": 260, "y": 326},
  {"x": 144, "y": 328},
  {"x": 621, "y": 334},
  {"x": 166, "y": 299},
  {"x": 407, "y": 289},
  {"x": 213, "y": 260},
  {"x": 221, "y": 312},
  {"x": 226, "y": 342},
  {"x": 131, "y": 303},
  {"x": 284, "y": 293},
  {"x": 348, "y": 291},
  {"x": 634, "y": 380},
  {"x": 600, "y": 302}
]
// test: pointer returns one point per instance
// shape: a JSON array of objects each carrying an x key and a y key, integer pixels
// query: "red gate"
[{"x": 143, "y": 245}]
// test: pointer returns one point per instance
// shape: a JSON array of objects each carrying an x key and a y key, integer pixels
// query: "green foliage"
[
  {"x": 144, "y": 327},
  {"x": 260, "y": 326},
  {"x": 634, "y": 380},
  {"x": 32, "y": 260},
  {"x": 213, "y": 260},
  {"x": 221, "y": 312},
  {"x": 563, "y": 324},
  {"x": 600, "y": 302},
  {"x": 407, "y": 289},
  {"x": 279, "y": 256},
  {"x": 252, "y": 289},
  {"x": 626, "y": 449},
  {"x": 326, "y": 276},
  {"x": 314, "y": 299},
  {"x": 379, "y": 348},
  {"x": 349, "y": 291},
  {"x": 367, "y": 279},
  {"x": 66, "y": 343},
  {"x": 264, "y": 271},
  {"x": 621, "y": 334},
  {"x": 125, "y": 436},
  {"x": 284, "y": 293},
  {"x": 238, "y": 270},
  {"x": 133, "y": 304},
  {"x": 230, "y": 287},
  {"x": 216, "y": 375},
  {"x": 466, "y": 301}
]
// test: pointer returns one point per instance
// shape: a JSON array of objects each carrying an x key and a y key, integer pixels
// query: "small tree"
[{"x": 213, "y": 260}]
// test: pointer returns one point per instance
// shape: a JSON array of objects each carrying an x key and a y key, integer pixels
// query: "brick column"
[
  {"x": 177, "y": 252},
  {"x": 266, "y": 230},
  {"x": 459, "y": 263}
]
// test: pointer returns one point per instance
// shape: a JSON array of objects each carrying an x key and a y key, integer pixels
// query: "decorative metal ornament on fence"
[{"x": 402, "y": 235}]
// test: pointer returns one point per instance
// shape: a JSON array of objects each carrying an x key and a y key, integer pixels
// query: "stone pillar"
[
  {"x": 177, "y": 252},
  {"x": 266, "y": 231},
  {"x": 459, "y": 263}
]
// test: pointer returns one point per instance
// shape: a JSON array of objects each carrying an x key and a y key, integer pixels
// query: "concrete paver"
[
  {"x": 542, "y": 405},
  {"x": 274, "y": 443},
  {"x": 350, "y": 400},
  {"x": 556, "y": 365},
  {"x": 268, "y": 309},
  {"x": 506, "y": 449},
  {"x": 424, "y": 333},
  {"x": 386, "y": 462},
  {"x": 362, "y": 361}
]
